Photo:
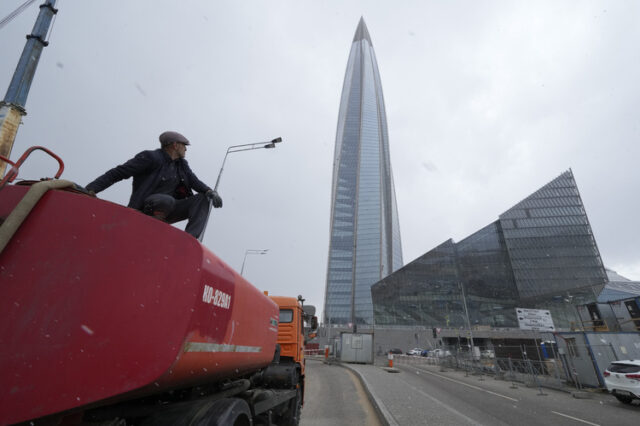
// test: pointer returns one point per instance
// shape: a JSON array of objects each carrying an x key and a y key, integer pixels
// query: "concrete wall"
[
  {"x": 589, "y": 354},
  {"x": 608, "y": 347}
]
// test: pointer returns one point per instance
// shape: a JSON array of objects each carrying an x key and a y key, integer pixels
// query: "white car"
[
  {"x": 439, "y": 353},
  {"x": 488, "y": 353},
  {"x": 415, "y": 351},
  {"x": 622, "y": 379}
]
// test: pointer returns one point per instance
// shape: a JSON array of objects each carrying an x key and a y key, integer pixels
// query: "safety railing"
[{"x": 15, "y": 167}]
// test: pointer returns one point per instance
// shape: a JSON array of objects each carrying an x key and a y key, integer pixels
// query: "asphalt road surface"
[
  {"x": 450, "y": 398},
  {"x": 334, "y": 397}
]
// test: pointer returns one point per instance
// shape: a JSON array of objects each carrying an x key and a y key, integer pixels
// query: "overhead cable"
[
  {"x": 55, "y": 15},
  {"x": 15, "y": 13}
]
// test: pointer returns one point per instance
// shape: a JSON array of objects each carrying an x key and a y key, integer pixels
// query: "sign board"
[{"x": 535, "y": 319}]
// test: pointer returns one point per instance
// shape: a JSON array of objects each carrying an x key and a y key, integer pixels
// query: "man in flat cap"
[{"x": 163, "y": 184}]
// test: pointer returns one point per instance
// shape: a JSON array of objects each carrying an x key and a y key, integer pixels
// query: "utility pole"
[
  {"x": 12, "y": 108},
  {"x": 464, "y": 299},
  {"x": 466, "y": 313}
]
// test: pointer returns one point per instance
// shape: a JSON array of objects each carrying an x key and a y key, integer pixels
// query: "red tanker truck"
[{"x": 111, "y": 317}]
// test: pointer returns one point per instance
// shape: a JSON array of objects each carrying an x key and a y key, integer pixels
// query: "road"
[
  {"x": 334, "y": 397},
  {"x": 426, "y": 395}
]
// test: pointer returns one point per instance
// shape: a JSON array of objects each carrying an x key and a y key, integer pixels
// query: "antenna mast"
[{"x": 12, "y": 108}]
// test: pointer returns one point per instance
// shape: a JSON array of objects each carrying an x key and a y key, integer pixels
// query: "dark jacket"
[{"x": 148, "y": 169}]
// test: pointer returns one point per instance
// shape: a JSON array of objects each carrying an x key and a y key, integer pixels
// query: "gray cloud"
[{"x": 502, "y": 96}]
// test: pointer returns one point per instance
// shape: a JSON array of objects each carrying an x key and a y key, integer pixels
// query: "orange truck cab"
[{"x": 295, "y": 326}]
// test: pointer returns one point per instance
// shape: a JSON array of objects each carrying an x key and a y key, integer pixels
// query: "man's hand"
[{"x": 215, "y": 198}]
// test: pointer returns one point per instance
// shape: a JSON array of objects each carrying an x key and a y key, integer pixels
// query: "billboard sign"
[{"x": 535, "y": 319}]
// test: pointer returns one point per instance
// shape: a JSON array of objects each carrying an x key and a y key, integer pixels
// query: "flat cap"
[{"x": 167, "y": 138}]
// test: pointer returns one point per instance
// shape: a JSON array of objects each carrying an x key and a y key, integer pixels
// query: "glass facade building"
[
  {"x": 539, "y": 254},
  {"x": 365, "y": 234}
]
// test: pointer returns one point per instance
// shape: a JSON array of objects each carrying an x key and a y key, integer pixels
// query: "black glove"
[{"x": 215, "y": 198}]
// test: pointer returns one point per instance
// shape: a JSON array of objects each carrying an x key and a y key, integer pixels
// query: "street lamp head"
[
  {"x": 256, "y": 251},
  {"x": 251, "y": 251},
  {"x": 273, "y": 143}
]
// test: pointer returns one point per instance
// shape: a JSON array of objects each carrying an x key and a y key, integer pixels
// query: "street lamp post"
[
  {"x": 245, "y": 147},
  {"x": 251, "y": 251},
  {"x": 237, "y": 148}
]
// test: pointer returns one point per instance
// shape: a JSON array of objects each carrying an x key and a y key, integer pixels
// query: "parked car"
[
  {"x": 415, "y": 351},
  {"x": 487, "y": 353},
  {"x": 396, "y": 351},
  {"x": 440, "y": 353},
  {"x": 622, "y": 379}
]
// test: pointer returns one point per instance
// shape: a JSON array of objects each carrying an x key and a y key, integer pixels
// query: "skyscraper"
[{"x": 365, "y": 234}]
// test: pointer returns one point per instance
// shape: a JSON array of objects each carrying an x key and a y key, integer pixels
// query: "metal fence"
[{"x": 532, "y": 366}]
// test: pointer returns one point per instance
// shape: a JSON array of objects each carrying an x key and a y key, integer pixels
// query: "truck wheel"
[
  {"x": 228, "y": 411},
  {"x": 292, "y": 416},
  {"x": 223, "y": 412}
]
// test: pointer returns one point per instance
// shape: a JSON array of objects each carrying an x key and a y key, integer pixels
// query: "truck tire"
[
  {"x": 228, "y": 411},
  {"x": 222, "y": 412},
  {"x": 292, "y": 416}
]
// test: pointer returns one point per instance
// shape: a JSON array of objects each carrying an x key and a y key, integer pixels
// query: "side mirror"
[{"x": 309, "y": 310}]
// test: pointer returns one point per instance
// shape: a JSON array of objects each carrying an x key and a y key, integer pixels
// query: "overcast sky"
[{"x": 486, "y": 102}]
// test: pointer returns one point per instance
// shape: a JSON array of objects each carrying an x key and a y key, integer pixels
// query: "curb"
[
  {"x": 582, "y": 395},
  {"x": 383, "y": 414}
]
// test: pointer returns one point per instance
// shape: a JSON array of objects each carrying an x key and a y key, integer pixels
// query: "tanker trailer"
[{"x": 112, "y": 317}]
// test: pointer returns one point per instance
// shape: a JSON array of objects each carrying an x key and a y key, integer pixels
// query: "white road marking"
[
  {"x": 575, "y": 418},
  {"x": 447, "y": 407},
  {"x": 468, "y": 385}
]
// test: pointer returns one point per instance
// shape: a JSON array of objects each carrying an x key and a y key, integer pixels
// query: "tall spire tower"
[{"x": 365, "y": 234}]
